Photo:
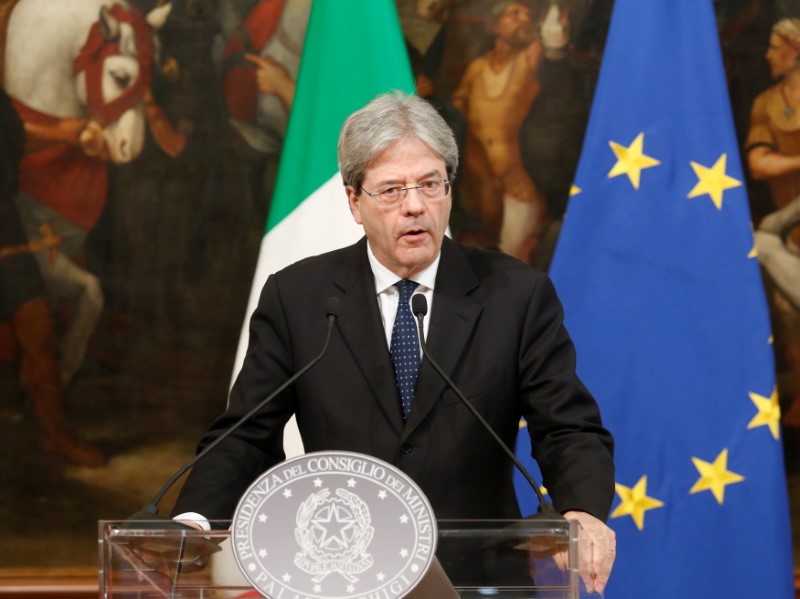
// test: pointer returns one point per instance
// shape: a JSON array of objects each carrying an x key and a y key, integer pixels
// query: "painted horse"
[{"x": 78, "y": 73}]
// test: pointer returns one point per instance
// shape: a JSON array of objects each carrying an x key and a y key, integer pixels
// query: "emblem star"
[
  {"x": 635, "y": 502},
  {"x": 263, "y": 553},
  {"x": 713, "y": 181},
  {"x": 317, "y": 588},
  {"x": 381, "y": 576},
  {"x": 631, "y": 161},
  {"x": 286, "y": 577},
  {"x": 351, "y": 483},
  {"x": 287, "y": 493},
  {"x": 382, "y": 494},
  {"x": 404, "y": 519},
  {"x": 262, "y": 518},
  {"x": 317, "y": 482},
  {"x": 769, "y": 412},
  {"x": 715, "y": 476},
  {"x": 350, "y": 588},
  {"x": 404, "y": 553},
  {"x": 334, "y": 528}
]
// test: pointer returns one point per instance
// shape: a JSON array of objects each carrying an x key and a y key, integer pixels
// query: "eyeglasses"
[{"x": 430, "y": 189}]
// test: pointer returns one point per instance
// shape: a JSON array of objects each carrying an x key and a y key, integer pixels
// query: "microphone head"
[
  {"x": 332, "y": 306},
  {"x": 419, "y": 304}
]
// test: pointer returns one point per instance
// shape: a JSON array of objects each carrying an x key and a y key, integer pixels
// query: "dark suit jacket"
[{"x": 496, "y": 328}]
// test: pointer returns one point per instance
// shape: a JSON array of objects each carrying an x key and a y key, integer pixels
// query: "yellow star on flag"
[
  {"x": 713, "y": 181},
  {"x": 631, "y": 160},
  {"x": 574, "y": 190},
  {"x": 769, "y": 412},
  {"x": 635, "y": 502},
  {"x": 715, "y": 476}
]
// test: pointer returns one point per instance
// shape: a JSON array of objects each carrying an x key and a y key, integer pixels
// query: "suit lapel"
[
  {"x": 360, "y": 326},
  {"x": 453, "y": 318}
]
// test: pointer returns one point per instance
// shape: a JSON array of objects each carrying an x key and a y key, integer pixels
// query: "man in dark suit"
[{"x": 495, "y": 326}]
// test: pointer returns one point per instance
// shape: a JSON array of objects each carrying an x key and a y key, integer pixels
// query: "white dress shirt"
[{"x": 388, "y": 294}]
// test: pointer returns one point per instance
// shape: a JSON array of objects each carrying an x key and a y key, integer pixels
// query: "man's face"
[
  {"x": 781, "y": 56},
  {"x": 515, "y": 25},
  {"x": 405, "y": 237}
]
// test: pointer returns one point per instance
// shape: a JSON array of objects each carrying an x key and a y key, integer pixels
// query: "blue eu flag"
[{"x": 663, "y": 297}]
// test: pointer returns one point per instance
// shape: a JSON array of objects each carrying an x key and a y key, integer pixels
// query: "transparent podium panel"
[{"x": 511, "y": 559}]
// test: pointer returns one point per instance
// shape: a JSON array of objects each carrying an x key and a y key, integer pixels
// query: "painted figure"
[
  {"x": 773, "y": 142},
  {"x": 30, "y": 332},
  {"x": 773, "y": 155},
  {"x": 496, "y": 94},
  {"x": 261, "y": 61}
]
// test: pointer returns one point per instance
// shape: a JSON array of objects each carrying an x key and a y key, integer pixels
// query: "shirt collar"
[{"x": 385, "y": 278}]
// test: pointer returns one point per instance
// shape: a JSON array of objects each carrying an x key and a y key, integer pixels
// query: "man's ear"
[{"x": 354, "y": 201}]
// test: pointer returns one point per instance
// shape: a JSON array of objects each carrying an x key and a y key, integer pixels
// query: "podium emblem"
[
  {"x": 334, "y": 524},
  {"x": 341, "y": 551}
]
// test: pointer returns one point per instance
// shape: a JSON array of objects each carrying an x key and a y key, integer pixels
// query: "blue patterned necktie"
[{"x": 405, "y": 346}]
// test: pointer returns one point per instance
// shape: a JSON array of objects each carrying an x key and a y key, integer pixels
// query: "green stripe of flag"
[{"x": 354, "y": 50}]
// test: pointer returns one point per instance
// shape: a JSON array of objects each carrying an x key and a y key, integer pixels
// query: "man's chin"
[{"x": 416, "y": 259}]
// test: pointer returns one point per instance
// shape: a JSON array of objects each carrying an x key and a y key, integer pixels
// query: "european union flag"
[{"x": 663, "y": 297}]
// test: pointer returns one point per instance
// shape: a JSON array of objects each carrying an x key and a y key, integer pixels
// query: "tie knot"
[{"x": 406, "y": 288}]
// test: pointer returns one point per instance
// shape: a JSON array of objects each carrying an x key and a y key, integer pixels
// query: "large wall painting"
[{"x": 139, "y": 143}]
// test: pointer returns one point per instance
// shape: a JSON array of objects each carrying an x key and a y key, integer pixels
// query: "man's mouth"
[{"x": 414, "y": 233}]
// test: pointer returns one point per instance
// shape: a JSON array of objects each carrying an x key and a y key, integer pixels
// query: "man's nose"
[{"x": 413, "y": 203}]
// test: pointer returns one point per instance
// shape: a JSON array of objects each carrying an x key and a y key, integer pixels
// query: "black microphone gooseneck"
[
  {"x": 150, "y": 511},
  {"x": 419, "y": 306}
]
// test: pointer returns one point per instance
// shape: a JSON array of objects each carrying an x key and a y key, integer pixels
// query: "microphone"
[
  {"x": 419, "y": 306},
  {"x": 150, "y": 510}
]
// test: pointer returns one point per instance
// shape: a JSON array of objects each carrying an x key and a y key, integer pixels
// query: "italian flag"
[{"x": 353, "y": 51}]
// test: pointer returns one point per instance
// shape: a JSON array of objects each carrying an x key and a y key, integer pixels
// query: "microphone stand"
[
  {"x": 546, "y": 510},
  {"x": 150, "y": 510},
  {"x": 194, "y": 549}
]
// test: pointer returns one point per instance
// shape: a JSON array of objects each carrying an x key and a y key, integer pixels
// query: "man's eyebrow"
[
  {"x": 390, "y": 182},
  {"x": 432, "y": 173}
]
